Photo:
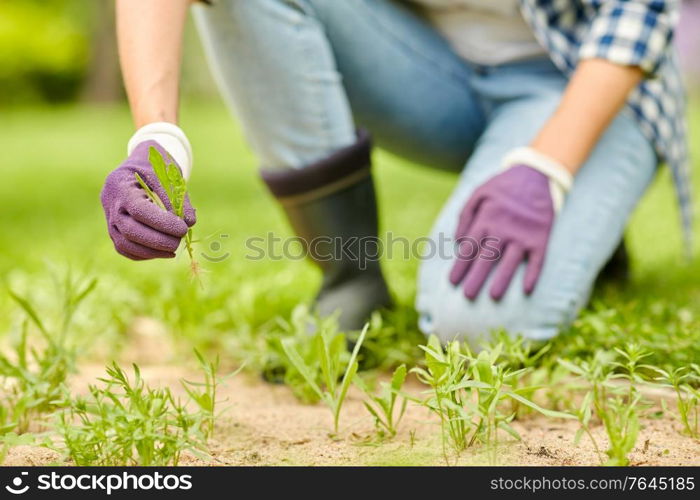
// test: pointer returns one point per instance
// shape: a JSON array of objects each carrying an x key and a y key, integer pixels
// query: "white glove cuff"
[
  {"x": 171, "y": 138},
  {"x": 560, "y": 178}
]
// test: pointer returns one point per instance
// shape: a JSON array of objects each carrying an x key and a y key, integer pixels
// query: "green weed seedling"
[
  {"x": 469, "y": 395},
  {"x": 35, "y": 377},
  {"x": 616, "y": 406},
  {"x": 382, "y": 406},
  {"x": 445, "y": 370},
  {"x": 584, "y": 414},
  {"x": 500, "y": 384},
  {"x": 329, "y": 351},
  {"x": 392, "y": 340},
  {"x": 685, "y": 381},
  {"x": 125, "y": 422},
  {"x": 631, "y": 367},
  {"x": 296, "y": 333},
  {"x": 621, "y": 420},
  {"x": 203, "y": 394},
  {"x": 523, "y": 358},
  {"x": 175, "y": 187}
]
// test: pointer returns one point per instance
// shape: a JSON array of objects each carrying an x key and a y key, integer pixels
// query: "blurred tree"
[
  {"x": 103, "y": 81},
  {"x": 43, "y": 49},
  {"x": 58, "y": 50}
]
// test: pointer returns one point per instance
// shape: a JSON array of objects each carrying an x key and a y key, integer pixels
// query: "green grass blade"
[
  {"x": 351, "y": 370},
  {"x": 301, "y": 367},
  {"x": 31, "y": 312},
  {"x": 149, "y": 192},
  {"x": 85, "y": 292},
  {"x": 537, "y": 408}
]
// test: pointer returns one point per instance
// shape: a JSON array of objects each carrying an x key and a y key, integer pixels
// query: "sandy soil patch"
[{"x": 264, "y": 424}]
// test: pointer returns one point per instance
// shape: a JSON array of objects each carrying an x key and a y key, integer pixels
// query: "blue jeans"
[{"x": 301, "y": 75}]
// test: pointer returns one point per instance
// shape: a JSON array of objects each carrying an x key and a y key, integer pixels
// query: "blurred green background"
[
  {"x": 64, "y": 125},
  {"x": 56, "y": 51}
]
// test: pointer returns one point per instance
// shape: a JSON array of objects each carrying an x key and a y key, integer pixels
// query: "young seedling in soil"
[
  {"x": 684, "y": 381},
  {"x": 468, "y": 394},
  {"x": 203, "y": 394},
  {"x": 274, "y": 362},
  {"x": 329, "y": 351},
  {"x": 443, "y": 373},
  {"x": 617, "y": 407},
  {"x": 523, "y": 358},
  {"x": 175, "y": 187},
  {"x": 583, "y": 415},
  {"x": 126, "y": 422},
  {"x": 382, "y": 406},
  {"x": 501, "y": 385},
  {"x": 392, "y": 340},
  {"x": 35, "y": 378}
]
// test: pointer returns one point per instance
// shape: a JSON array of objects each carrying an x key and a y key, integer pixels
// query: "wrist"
[
  {"x": 560, "y": 178},
  {"x": 171, "y": 138}
]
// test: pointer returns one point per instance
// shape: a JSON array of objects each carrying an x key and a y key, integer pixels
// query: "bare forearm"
[
  {"x": 150, "y": 50},
  {"x": 595, "y": 95}
]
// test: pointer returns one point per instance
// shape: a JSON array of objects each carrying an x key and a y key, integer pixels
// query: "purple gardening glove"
[
  {"x": 140, "y": 229},
  {"x": 509, "y": 218}
]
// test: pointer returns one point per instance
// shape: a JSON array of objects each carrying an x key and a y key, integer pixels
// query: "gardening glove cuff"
[
  {"x": 560, "y": 178},
  {"x": 171, "y": 138}
]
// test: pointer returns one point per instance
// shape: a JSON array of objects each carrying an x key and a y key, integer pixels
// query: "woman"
[{"x": 557, "y": 114}]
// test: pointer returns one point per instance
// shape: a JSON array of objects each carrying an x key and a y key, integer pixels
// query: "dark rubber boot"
[{"x": 332, "y": 207}]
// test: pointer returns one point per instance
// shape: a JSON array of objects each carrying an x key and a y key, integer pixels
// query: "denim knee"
[{"x": 446, "y": 312}]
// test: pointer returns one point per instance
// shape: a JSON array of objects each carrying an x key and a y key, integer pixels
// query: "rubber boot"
[{"x": 332, "y": 207}]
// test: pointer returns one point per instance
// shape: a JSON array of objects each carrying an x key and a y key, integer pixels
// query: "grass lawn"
[{"x": 54, "y": 164}]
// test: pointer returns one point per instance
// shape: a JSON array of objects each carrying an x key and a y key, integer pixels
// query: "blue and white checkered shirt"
[{"x": 634, "y": 33}]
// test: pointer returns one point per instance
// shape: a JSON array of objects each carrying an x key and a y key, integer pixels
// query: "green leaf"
[
  {"x": 352, "y": 367},
  {"x": 179, "y": 189},
  {"x": 84, "y": 293},
  {"x": 398, "y": 379},
  {"x": 471, "y": 384},
  {"x": 300, "y": 365},
  {"x": 29, "y": 309},
  {"x": 572, "y": 367},
  {"x": 149, "y": 192},
  {"x": 323, "y": 355},
  {"x": 537, "y": 408},
  {"x": 374, "y": 413},
  {"x": 506, "y": 427},
  {"x": 160, "y": 169}
]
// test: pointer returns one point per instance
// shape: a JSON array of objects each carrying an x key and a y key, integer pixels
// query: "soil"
[{"x": 264, "y": 424}]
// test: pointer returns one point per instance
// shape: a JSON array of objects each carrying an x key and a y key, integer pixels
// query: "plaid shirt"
[{"x": 627, "y": 32}]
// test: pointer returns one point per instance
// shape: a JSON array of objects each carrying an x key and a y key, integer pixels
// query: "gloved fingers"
[
  {"x": 139, "y": 233},
  {"x": 145, "y": 211},
  {"x": 467, "y": 251},
  {"x": 480, "y": 270},
  {"x": 468, "y": 214},
  {"x": 189, "y": 212},
  {"x": 136, "y": 251},
  {"x": 535, "y": 261},
  {"x": 151, "y": 180},
  {"x": 511, "y": 258}
]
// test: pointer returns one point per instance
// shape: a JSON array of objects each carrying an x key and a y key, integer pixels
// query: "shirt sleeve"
[{"x": 631, "y": 32}]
